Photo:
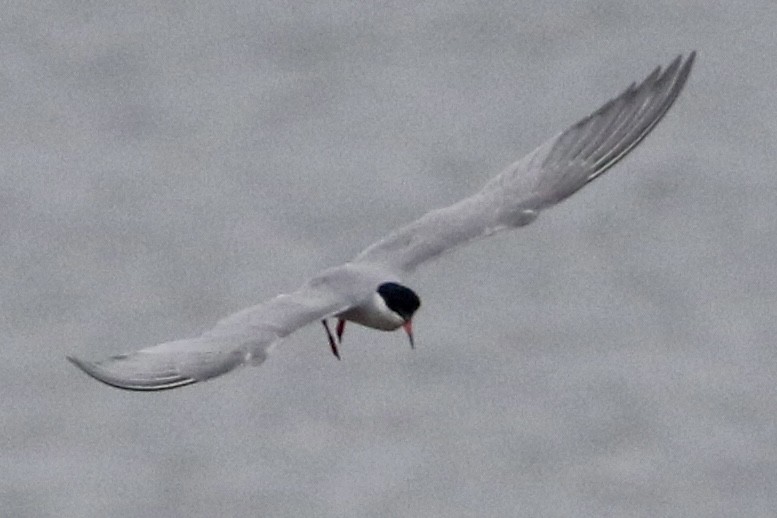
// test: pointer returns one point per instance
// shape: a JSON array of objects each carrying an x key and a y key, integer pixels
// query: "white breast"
[{"x": 375, "y": 314}]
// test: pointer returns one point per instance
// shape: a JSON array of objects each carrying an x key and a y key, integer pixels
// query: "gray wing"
[
  {"x": 244, "y": 337},
  {"x": 547, "y": 175}
]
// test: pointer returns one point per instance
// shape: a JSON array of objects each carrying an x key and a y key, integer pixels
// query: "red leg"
[
  {"x": 340, "y": 329},
  {"x": 332, "y": 342}
]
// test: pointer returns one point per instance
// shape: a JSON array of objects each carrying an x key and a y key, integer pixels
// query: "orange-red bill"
[{"x": 408, "y": 327}]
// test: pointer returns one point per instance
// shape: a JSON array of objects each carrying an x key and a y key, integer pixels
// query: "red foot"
[
  {"x": 332, "y": 343},
  {"x": 340, "y": 329}
]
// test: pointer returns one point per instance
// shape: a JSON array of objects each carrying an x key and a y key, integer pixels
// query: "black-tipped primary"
[{"x": 399, "y": 299}]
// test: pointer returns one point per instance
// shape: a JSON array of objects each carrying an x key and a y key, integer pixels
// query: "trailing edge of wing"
[{"x": 101, "y": 371}]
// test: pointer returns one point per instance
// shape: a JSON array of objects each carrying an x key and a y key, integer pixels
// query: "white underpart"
[{"x": 374, "y": 313}]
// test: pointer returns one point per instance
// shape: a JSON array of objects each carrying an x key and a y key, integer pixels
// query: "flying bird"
[{"x": 369, "y": 289}]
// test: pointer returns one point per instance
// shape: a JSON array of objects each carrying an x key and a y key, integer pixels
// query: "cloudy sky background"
[{"x": 164, "y": 165}]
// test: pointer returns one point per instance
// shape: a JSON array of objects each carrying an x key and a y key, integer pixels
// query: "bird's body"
[
  {"x": 368, "y": 290},
  {"x": 375, "y": 313}
]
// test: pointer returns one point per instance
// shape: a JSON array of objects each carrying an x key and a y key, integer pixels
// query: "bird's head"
[{"x": 403, "y": 302}]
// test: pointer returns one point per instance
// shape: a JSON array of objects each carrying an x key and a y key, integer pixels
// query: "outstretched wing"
[
  {"x": 544, "y": 177},
  {"x": 244, "y": 337}
]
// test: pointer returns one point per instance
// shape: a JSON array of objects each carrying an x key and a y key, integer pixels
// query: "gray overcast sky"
[{"x": 164, "y": 165}]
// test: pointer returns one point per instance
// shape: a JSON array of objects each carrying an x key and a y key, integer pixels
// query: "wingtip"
[
  {"x": 81, "y": 364},
  {"x": 688, "y": 60},
  {"x": 683, "y": 63},
  {"x": 89, "y": 368}
]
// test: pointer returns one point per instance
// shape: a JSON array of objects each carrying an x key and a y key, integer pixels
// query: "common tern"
[{"x": 368, "y": 290}]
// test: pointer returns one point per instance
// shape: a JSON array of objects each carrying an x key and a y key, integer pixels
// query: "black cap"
[{"x": 399, "y": 299}]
